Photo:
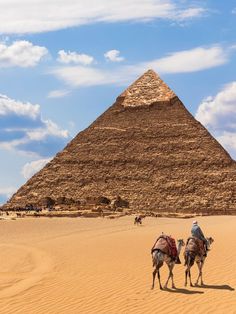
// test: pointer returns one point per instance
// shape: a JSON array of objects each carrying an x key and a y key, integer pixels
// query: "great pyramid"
[{"x": 148, "y": 149}]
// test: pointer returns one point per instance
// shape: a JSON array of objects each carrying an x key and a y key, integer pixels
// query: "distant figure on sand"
[
  {"x": 138, "y": 220},
  {"x": 165, "y": 250}
]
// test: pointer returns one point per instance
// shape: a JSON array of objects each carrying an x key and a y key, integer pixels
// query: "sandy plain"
[{"x": 99, "y": 265}]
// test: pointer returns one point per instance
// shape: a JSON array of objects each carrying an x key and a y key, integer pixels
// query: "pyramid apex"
[
  {"x": 146, "y": 90},
  {"x": 150, "y": 71}
]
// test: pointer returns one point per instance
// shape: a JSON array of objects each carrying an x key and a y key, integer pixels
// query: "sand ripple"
[
  {"x": 100, "y": 266},
  {"x": 21, "y": 268}
]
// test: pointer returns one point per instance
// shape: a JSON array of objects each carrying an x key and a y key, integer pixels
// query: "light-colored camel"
[
  {"x": 158, "y": 259},
  {"x": 195, "y": 256}
]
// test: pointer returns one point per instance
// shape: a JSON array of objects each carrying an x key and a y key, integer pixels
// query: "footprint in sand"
[{"x": 22, "y": 267}]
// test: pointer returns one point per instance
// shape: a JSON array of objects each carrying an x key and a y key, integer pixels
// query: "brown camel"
[
  {"x": 138, "y": 220},
  {"x": 158, "y": 259},
  {"x": 194, "y": 253}
]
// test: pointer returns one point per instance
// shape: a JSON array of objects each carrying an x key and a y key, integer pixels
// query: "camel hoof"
[
  {"x": 173, "y": 287},
  {"x": 161, "y": 288},
  {"x": 191, "y": 285},
  {"x": 185, "y": 284}
]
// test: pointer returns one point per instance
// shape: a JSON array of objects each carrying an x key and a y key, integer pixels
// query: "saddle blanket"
[
  {"x": 195, "y": 245},
  {"x": 166, "y": 244}
]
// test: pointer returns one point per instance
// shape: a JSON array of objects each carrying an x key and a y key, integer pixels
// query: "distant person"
[{"x": 196, "y": 232}]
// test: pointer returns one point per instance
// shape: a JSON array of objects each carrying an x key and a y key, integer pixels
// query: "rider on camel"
[{"x": 196, "y": 232}]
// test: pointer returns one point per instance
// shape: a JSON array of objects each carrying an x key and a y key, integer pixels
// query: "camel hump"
[{"x": 166, "y": 244}]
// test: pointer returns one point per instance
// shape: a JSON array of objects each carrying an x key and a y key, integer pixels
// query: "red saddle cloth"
[{"x": 166, "y": 244}]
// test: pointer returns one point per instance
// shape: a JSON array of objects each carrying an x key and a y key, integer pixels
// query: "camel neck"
[{"x": 179, "y": 248}]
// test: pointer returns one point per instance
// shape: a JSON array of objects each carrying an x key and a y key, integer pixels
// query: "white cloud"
[
  {"x": 7, "y": 191},
  {"x": 48, "y": 128},
  {"x": 213, "y": 110},
  {"x": 21, "y": 53},
  {"x": 228, "y": 140},
  {"x": 113, "y": 55},
  {"x": 74, "y": 57},
  {"x": 190, "y": 13},
  {"x": 13, "y": 144},
  {"x": 218, "y": 114},
  {"x": 29, "y": 16},
  {"x": 234, "y": 11},
  {"x": 192, "y": 60},
  {"x": 86, "y": 76},
  {"x": 58, "y": 93},
  {"x": 23, "y": 129},
  {"x": 12, "y": 106},
  {"x": 30, "y": 168}
]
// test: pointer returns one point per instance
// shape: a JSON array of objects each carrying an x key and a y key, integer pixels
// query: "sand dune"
[{"x": 104, "y": 266}]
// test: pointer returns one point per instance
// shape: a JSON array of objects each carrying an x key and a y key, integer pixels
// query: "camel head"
[
  {"x": 181, "y": 242},
  {"x": 210, "y": 240}
]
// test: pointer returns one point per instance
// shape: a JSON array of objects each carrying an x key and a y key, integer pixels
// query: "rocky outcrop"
[{"x": 148, "y": 149}]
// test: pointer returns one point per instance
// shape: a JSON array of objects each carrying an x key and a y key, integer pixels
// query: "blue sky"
[{"x": 62, "y": 63}]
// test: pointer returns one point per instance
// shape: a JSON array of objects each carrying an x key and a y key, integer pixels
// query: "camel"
[
  {"x": 138, "y": 220},
  {"x": 195, "y": 255},
  {"x": 158, "y": 259}
]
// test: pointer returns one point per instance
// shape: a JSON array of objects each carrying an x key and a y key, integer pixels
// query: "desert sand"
[{"x": 82, "y": 265}]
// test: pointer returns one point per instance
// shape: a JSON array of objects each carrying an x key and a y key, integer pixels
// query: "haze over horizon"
[{"x": 60, "y": 71}]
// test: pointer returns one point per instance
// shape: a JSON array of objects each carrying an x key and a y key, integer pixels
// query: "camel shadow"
[
  {"x": 183, "y": 291},
  {"x": 217, "y": 287}
]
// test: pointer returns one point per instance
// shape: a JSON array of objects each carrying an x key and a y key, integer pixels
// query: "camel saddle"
[
  {"x": 196, "y": 246},
  {"x": 166, "y": 244}
]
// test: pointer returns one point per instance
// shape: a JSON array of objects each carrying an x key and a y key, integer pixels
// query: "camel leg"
[
  {"x": 159, "y": 278},
  {"x": 171, "y": 266},
  {"x": 186, "y": 277},
  {"x": 188, "y": 274},
  {"x": 157, "y": 263},
  {"x": 200, "y": 266},
  {"x": 153, "y": 277},
  {"x": 186, "y": 271},
  {"x": 190, "y": 280},
  {"x": 189, "y": 263},
  {"x": 199, "y": 273},
  {"x": 172, "y": 277},
  {"x": 202, "y": 263},
  {"x": 165, "y": 286},
  {"x": 156, "y": 270}
]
